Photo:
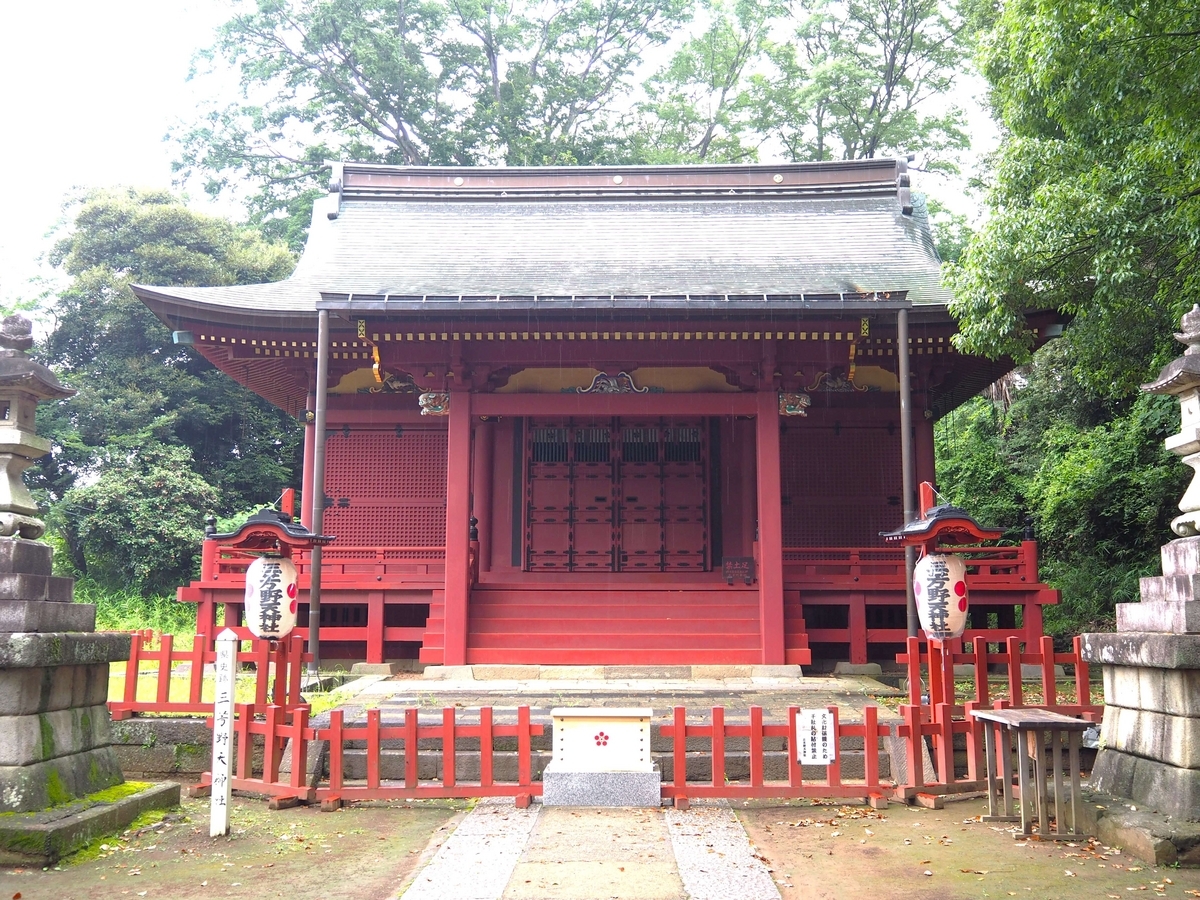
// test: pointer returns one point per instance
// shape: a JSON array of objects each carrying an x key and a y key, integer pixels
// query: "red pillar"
[
  {"x": 770, "y": 529},
  {"x": 306, "y": 477},
  {"x": 458, "y": 511},
  {"x": 481, "y": 495},
  {"x": 923, "y": 449}
]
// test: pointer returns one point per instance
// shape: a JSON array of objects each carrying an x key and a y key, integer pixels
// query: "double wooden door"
[{"x": 616, "y": 495}]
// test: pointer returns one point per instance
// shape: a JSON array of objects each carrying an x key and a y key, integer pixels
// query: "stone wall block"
[
  {"x": 46, "y": 615},
  {"x": 47, "y": 688},
  {"x": 38, "y": 786},
  {"x": 1175, "y": 692},
  {"x": 62, "y": 649},
  {"x": 1182, "y": 588},
  {"x": 1163, "y": 616},
  {"x": 1165, "y": 788},
  {"x": 1153, "y": 735},
  {"x": 22, "y": 586},
  {"x": 44, "y": 736},
  {"x": 1122, "y": 687},
  {"x": 29, "y": 557},
  {"x": 1181, "y": 556},
  {"x": 1160, "y": 651}
]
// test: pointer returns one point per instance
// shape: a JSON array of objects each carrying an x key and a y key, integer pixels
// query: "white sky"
[{"x": 88, "y": 91}]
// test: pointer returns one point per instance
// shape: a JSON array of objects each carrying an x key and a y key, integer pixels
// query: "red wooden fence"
[
  {"x": 717, "y": 731},
  {"x": 279, "y": 714},
  {"x": 941, "y": 716},
  {"x": 271, "y": 660},
  {"x": 280, "y": 728}
]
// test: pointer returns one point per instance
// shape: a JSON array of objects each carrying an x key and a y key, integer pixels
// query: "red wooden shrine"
[{"x": 607, "y": 415}]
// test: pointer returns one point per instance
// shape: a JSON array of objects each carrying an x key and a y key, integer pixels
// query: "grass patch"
[{"x": 126, "y": 610}]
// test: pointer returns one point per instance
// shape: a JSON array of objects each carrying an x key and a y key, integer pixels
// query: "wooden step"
[
  {"x": 661, "y": 625},
  {"x": 689, "y": 599},
  {"x": 614, "y": 641},
  {"x": 593, "y": 656},
  {"x": 558, "y": 611}
]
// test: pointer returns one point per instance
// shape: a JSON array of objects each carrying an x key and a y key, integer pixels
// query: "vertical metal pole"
[
  {"x": 906, "y": 462},
  {"x": 318, "y": 492}
]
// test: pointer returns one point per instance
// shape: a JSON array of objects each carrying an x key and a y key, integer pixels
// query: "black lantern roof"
[
  {"x": 949, "y": 524},
  {"x": 269, "y": 529}
]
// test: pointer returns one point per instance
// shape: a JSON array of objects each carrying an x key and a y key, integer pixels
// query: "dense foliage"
[
  {"x": 1094, "y": 194},
  {"x": 1091, "y": 472},
  {"x": 1094, "y": 211},
  {"x": 155, "y": 437},
  {"x": 568, "y": 82}
]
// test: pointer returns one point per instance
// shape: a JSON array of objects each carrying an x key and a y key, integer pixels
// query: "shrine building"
[{"x": 608, "y": 415}]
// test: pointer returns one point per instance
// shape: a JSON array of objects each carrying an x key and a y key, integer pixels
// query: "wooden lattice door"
[{"x": 608, "y": 496}]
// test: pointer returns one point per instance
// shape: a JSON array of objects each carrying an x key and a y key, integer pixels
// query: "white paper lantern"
[
  {"x": 271, "y": 597},
  {"x": 940, "y": 586}
]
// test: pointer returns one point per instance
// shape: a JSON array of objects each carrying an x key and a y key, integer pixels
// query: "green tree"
[
  {"x": 862, "y": 78},
  {"x": 1094, "y": 193},
  {"x": 146, "y": 408},
  {"x": 700, "y": 106},
  {"x": 137, "y": 526},
  {"x": 1090, "y": 471},
  {"x": 420, "y": 81}
]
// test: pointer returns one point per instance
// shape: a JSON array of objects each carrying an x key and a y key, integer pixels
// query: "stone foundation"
[
  {"x": 54, "y": 724},
  {"x": 1150, "y": 737}
]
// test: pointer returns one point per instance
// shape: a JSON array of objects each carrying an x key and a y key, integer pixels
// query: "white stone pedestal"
[{"x": 601, "y": 758}]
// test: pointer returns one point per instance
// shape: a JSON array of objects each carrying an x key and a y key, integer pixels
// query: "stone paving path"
[{"x": 561, "y": 853}]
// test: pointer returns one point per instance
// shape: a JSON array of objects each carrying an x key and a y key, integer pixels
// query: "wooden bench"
[{"x": 1030, "y": 727}]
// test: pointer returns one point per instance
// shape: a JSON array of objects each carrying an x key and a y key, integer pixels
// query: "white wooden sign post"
[
  {"x": 816, "y": 737},
  {"x": 222, "y": 750}
]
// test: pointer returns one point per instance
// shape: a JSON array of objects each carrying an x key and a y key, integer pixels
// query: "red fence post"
[
  {"x": 164, "y": 668},
  {"x": 1083, "y": 684},
  {"x": 196, "y": 686},
  {"x": 373, "y": 748},
  {"x": 485, "y": 746},
  {"x": 943, "y": 718},
  {"x": 913, "y": 650},
  {"x": 1016, "y": 695},
  {"x": 262, "y": 664},
  {"x": 718, "y": 746},
  {"x": 679, "y": 753},
  {"x": 132, "y": 667},
  {"x": 524, "y": 747},
  {"x": 336, "y": 718},
  {"x": 1049, "y": 682},
  {"x": 982, "y": 691},
  {"x": 870, "y": 744},
  {"x": 411, "y": 739},
  {"x": 271, "y": 746},
  {"x": 756, "y": 746},
  {"x": 449, "y": 745}
]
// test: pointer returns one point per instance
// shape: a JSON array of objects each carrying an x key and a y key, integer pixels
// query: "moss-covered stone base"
[
  {"x": 58, "y": 781},
  {"x": 42, "y": 838}
]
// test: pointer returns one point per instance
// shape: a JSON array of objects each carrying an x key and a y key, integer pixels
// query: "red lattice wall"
[
  {"x": 841, "y": 486},
  {"x": 386, "y": 488}
]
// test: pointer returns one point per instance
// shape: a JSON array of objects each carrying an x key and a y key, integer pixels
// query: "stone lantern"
[
  {"x": 1150, "y": 739},
  {"x": 23, "y": 384},
  {"x": 56, "y": 751}
]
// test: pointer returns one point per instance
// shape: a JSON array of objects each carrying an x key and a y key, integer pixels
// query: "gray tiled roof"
[{"x": 419, "y": 247}]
